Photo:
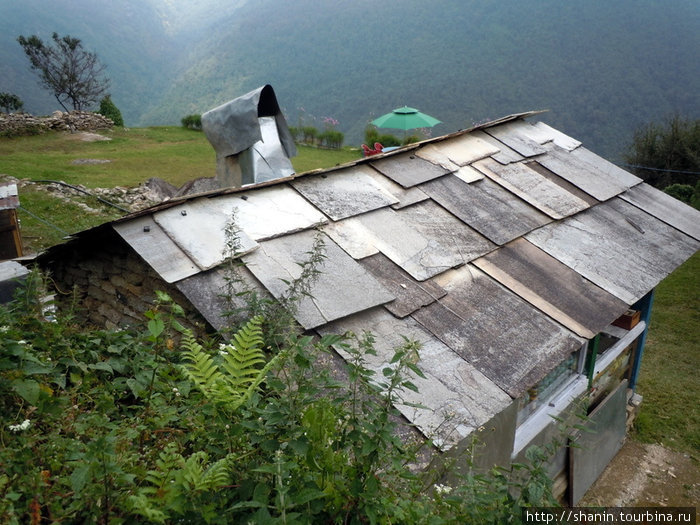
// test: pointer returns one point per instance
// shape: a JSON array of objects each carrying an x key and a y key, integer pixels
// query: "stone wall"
[
  {"x": 110, "y": 284},
  {"x": 26, "y": 124}
]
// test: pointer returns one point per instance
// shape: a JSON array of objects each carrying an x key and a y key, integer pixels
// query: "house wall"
[{"x": 108, "y": 284}]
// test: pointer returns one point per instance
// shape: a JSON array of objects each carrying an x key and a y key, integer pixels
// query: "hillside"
[{"x": 601, "y": 68}]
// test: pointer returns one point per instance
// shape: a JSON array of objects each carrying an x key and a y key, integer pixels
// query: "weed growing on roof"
[{"x": 156, "y": 425}]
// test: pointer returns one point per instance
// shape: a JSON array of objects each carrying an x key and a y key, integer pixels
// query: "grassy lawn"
[
  {"x": 668, "y": 379},
  {"x": 174, "y": 154}
]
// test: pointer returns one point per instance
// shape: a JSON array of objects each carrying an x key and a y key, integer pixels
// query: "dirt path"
[{"x": 647, "y": 475}]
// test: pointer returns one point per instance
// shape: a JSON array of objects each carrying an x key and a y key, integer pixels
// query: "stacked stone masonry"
[
  {"x": 26, "y": 124},
  {"x": 113, "y": 287}
]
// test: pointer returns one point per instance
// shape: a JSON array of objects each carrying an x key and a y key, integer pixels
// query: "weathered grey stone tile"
[
  {"x": 502, "y": 336},
  {"x": 582, "y": 174},
  {"x": 408, "y": 170},
  {"x": 342, "y": 287},
  {"x": 423, "y": 239},
  {"x": 491, "y": 210},
  {"x": 533, "y": 188},
  {"x": 346, "y": 193},
  {"x": 410, "y": 294},
  {"x": 619, "y": 247},
  {"x": 457, "y": 397},
  {"x": 552, "y": 287},
  {"x": 156, "y": 248},
  {"x": 664, "y": 207},
  {"x": 513, "y": 136}
]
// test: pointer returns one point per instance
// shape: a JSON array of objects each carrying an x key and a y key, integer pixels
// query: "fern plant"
[
  {"x": 243, "y": 366},
  {"x": 177, "y": 483}
]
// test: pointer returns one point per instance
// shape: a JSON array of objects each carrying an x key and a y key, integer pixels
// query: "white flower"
[
  {"x": 21, "y": 342},
  {"x": 4, "y": 329},
  {"x": 24, "y": 425},
  {"x": 222, "y": 352},
  {"x": 443, "y": 489}
]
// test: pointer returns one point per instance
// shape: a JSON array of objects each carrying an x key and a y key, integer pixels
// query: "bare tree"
[{"x": 73, "y": 75}]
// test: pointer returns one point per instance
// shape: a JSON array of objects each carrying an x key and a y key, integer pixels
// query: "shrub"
[
  {"x": 10, "y": 102},
  {"x": 372, "y": 136},
  {"x": 121, "y": 427},
  {"x": 331, "y": 139},
  {"x": 193, "y": 121},
  {"x": 682, "y": 192},
  {"x": 111, "y": 111}
]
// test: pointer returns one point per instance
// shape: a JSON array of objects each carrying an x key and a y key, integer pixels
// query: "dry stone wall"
[
  {"x": 26, "y": 124},
  {"x": 111, "y": 285}
]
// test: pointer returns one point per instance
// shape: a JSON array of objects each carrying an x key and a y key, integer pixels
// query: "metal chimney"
[{"x": 251, "y": 139}]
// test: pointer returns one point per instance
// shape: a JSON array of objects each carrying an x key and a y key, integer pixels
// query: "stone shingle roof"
[{"x": 501, "y": 249}]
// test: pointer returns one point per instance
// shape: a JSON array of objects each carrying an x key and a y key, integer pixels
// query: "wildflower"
[
  {"x": 21, "y": 342},
  {"x": 24, "y": 425},
  {"x": 4, "y": 329},
  {"x": 176, "y": 391},
  {"x": 443, "y": 489}
]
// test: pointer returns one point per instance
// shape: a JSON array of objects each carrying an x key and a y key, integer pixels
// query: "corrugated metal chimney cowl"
[{"x": 251, "y": 139}]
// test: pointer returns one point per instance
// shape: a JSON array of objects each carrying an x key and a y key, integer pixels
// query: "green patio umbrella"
[{"x": 405, "y": 118}]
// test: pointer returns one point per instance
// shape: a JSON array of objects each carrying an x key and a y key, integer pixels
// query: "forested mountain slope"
[{"x": 601, "y": 68}]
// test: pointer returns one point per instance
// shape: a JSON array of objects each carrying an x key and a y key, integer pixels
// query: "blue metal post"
[{"x": 644, "y": 306}]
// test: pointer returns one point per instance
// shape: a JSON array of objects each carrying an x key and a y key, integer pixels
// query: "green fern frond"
[
  {"x": 201, "y": 369},
  {"x": 243, "y": 366},
  {"x": 245, "y": 356}
]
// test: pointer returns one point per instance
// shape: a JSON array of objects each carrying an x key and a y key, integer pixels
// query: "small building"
[{"x": 522, "y": 262}]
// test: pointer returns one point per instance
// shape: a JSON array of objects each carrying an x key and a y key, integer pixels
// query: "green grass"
[
  {"x": 669, "y": 375},
  {"x": 174, "y": 154}
]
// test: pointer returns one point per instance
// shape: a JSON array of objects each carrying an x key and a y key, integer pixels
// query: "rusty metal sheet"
[
  {"x": 344, "y": 193},
  {"x": 342, "y": 287},
  {"x": 485, "y": 206},
  {"x": 552, "y": 287},
  {"x": 404, "y": 196},
  {"x": 501, "y": 335},
  {"x": 216, "y": 293},
  {"x": 582, "y": 174},
  {"x": 198, "y": 227},
  {"x": 457, "y": 397},
  {"x": 408, "y": 170},
  {"x": 156, "y": 248},
  {"x": 460, "y": 150},
  {"x": 664, "y": 207},
  {"x": 533, "y": 187},
  {"x": 423, "y": 239},
  {"x": 617, "y": 246},
  {"x": 542, "y": 133},
  {"x": 607, "y": 168},
  {"x": 604, "y": 435},
  {"x": 513, "y": 136},
  {"x": 410, "y": 294}
]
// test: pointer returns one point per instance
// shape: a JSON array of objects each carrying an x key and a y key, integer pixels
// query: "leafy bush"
[
  {"x": 122, "y": 427},
  {"x": 331, "y": 139},
  {"x": 111, "y": 111},
  {"x": 386, "y": 140},
  {"x": 192, "y": 122},
  {"x": 10, "y": 102}
]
